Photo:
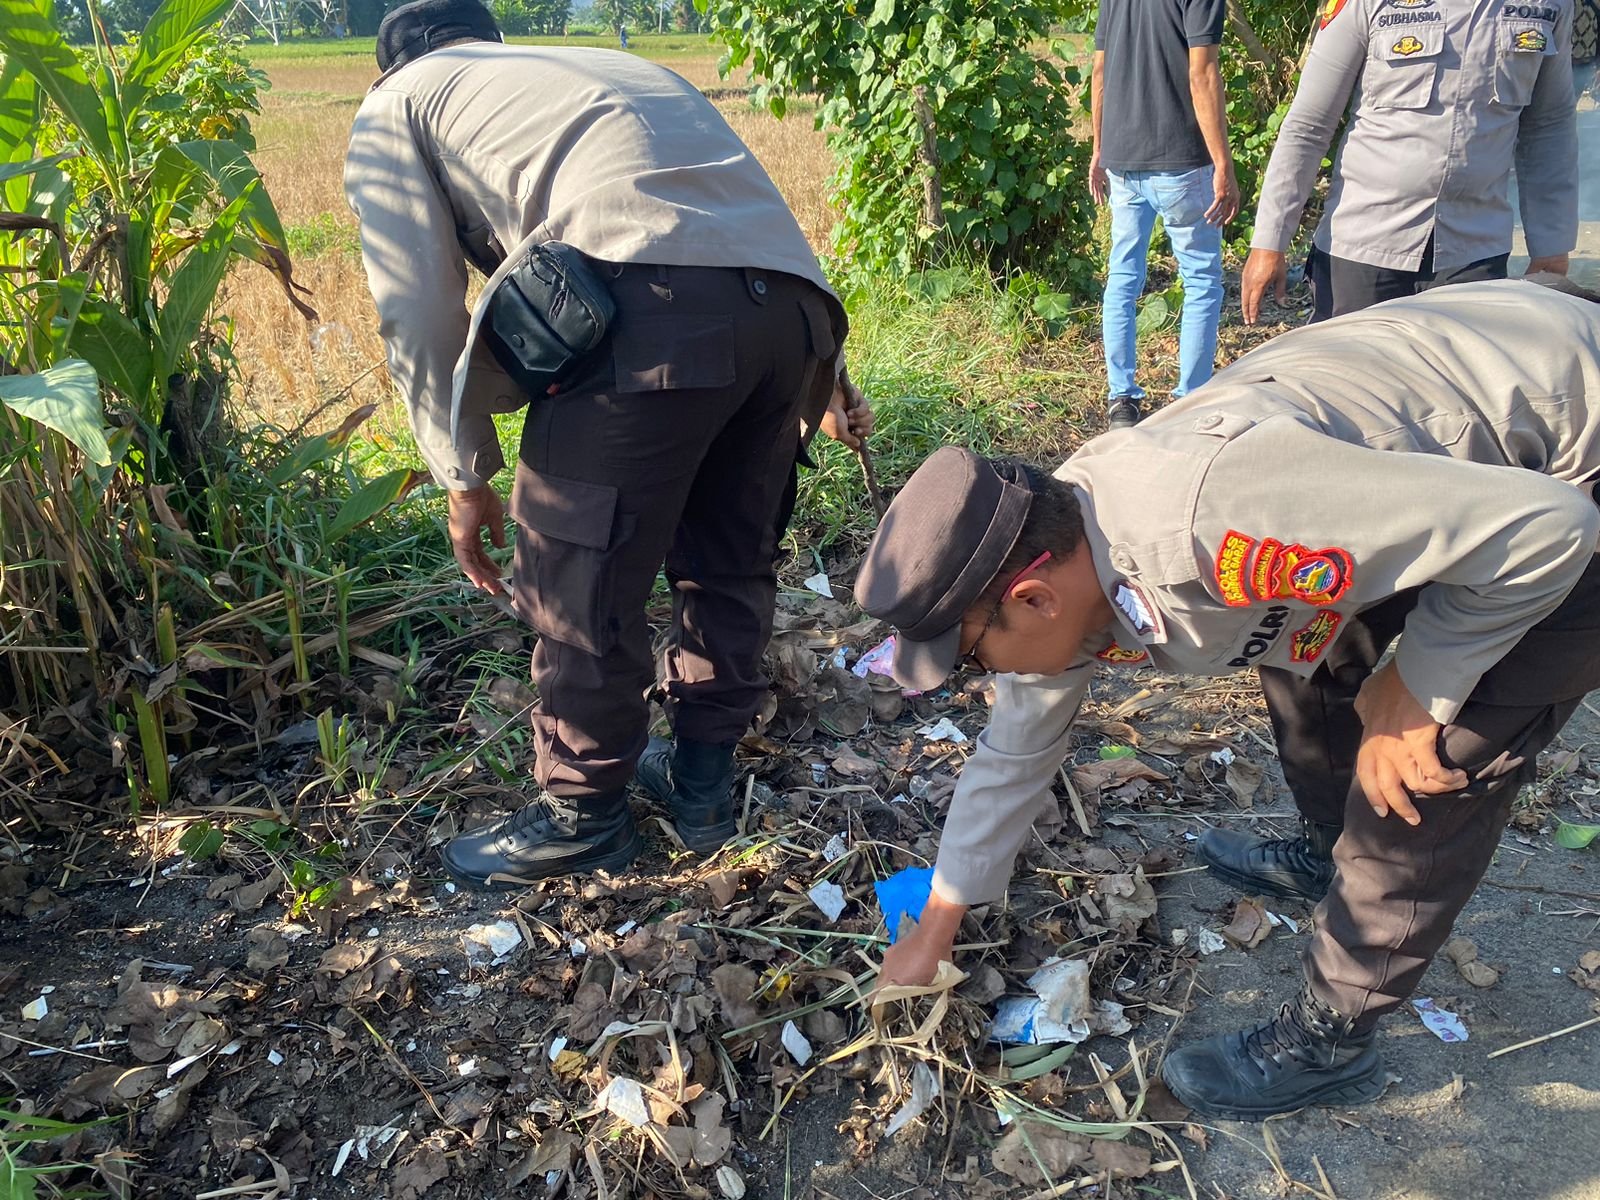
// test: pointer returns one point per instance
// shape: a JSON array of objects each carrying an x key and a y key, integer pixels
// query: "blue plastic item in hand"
[{"x": 903, "y": 894}]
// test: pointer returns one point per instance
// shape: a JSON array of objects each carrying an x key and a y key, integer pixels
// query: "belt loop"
[{"x": 755, "y": 284}]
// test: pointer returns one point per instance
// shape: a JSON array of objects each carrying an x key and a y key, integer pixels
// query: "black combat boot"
[
  {"x": 1307, "y": 1054},
  {"x": 1122, "y": 412},
  {"x": 1298, "y": 868},
  {"x": 545, "y": 838},
  {"x": 695, "y": 781}
]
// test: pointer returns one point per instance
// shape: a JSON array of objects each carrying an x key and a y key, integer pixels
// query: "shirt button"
[
  {"x": 1122, "y": 560},
  {"x": 759, "y": 287},
  {"x": 1210, "y": 421}
]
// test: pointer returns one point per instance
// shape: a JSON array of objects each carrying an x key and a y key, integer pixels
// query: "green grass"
[
  {"x": 649, "y": 45},
  {"x": 325, "y": 233}
]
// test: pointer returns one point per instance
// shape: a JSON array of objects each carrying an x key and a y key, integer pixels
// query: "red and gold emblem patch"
[
  {"x": 1121, "y": 654},
  {"x": 1309, "y": 641},
  {"x": 1292, "y": 572},
  {"x": 1233, "y": 564},
  {"x": 1330, "y": 9}
]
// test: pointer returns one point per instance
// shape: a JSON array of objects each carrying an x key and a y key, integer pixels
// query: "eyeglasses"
[{"x": 970, "y": 660}]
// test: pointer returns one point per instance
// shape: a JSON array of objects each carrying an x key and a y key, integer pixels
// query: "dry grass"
[{"x": 289, "y": 366}]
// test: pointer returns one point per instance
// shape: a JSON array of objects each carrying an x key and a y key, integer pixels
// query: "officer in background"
[
  {"x": 677, "y": 442},
  {"x": 1381, "y": 474},
  {"x": 1449, "y": 95}
]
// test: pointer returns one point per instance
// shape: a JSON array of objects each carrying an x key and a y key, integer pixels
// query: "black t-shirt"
[{"x": 1147, "y": 120}]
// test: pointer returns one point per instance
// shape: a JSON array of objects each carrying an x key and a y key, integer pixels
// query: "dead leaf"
[
  {"x": 1112, "y": 773},
  {"x": 1026, "y": 1148},
  {"x": 1464, "y": 953},
  {"x": 1589, "y": 960},
  {"x": 268, "y": 950},
  {"x": 725, "y": 886},
  {"x": 252, "y": 896},
  {"x": 1126, "y": 900},
  {"x": 1250, "y": 925},
  {"x": 1244, "y": 778},
  {"x": 420, "y": 1172},
  {"x": 339, "y": 960},
  {"x": 1123, "y": 1159},
  {"x": 852, "y": 765},
  {"x": 735, "y": 985}
]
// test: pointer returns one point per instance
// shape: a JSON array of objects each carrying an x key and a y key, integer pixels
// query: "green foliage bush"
[{"x": 1000, "y": 115}]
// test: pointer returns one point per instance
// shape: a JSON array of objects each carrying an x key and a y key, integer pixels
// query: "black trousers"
[
  {"x": 1397, "y": 889},
  {"x": 678, "y": 447},
  {"x": 1341, "y": 285}
]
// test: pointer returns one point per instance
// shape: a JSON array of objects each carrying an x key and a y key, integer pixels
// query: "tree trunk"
[{"x": 932, "y": 188}]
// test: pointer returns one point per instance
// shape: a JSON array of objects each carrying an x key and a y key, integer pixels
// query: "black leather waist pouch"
[{"x": 547, "y": 316}]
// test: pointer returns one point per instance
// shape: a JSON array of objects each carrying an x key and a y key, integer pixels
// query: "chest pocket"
[
  {"x": 1404, "y": 68},
  {"x": 1521, "y": 52}
]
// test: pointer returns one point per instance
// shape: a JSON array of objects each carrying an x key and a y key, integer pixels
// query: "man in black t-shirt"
[{"x": 1161, "y": 149}]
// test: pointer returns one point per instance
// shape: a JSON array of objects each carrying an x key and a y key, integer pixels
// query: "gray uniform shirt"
[
  {"x": 1449, "y": 95},
  {"x": 480, "y": 150},
  {"x": 1425, "y": 443}
]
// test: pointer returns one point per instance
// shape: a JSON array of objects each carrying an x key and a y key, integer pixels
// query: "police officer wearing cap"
[
  {"x": 673, "y": 439},
  {"x": 1448, "y": 97},
  {"x": 1420, "y": 469}
]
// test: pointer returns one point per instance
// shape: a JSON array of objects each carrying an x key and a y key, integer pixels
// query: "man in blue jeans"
[{"x": 1161, "y": 150}]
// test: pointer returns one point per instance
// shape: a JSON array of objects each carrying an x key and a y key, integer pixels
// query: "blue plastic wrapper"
[{"x": 903, "y": 894}]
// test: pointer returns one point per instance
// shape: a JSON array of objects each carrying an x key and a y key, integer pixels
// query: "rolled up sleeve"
[{"x": 1007, "y": 782}]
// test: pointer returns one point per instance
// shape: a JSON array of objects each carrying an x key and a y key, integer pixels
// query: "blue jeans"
[{"x": 1180, "y": 199}]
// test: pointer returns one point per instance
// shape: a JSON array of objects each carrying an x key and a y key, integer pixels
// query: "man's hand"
[
  {"x": 915, "y": 958},
  {"x": 1263, "y": 267},
  {"x": 1399, "y": 748},
  {"x": 470, "y": 511},
  {"x": 849, "y": 418},
  {"x": 1556, "y": 264},
  {"x": 1099, "y": 181},
  {"x": 1226, "y": 205}
]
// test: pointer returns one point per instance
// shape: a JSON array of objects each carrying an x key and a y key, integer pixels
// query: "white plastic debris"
[
  {"x": 451, "y": 888},
  {"x": 578, "y": 948},
  {"x": 819, "y": 584},
  {"x": 1442, "y": 1023},
  {"x": 343, "y": 1156},
  {"x": 1178, "y": 937},
  {"x": 819, "y": 773},
  {"x": 373, "y": 932},
  {"x": 625, "y": 928},
  {"x": 1221, "y": 757},
  {"x": 35, "y": 1010},
  {"x": 836, "y": 848},
  {"x": 943, "y": 730},
  {"x": 467, "y": 1067},
  {"x": 47, "y": 989},
  {"x": 1209, "y": 941},
  {"x": 491, "y": 945},
  {"x": 1060, "y": 1009},
  {"x": 232, "y": 1047},
  {"x": 877, "y": 661},
  {"x": 624, "y": 1098},
  {"x": 275, "y": 1058},
  {"x": 796, "y": 1044},
  {"x": 557, "y": 1045},
  {"x": 923, "y": 1088},
  {"x": 840, "y": 658},
  {"x": 1277, "y": 919},
  {"x": 373, "y": 1137},
  {"x": 178, "y": 1065},
  {"x": 829, "y": 899}
]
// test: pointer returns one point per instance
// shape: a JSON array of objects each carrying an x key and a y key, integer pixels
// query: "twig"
[
  {"x": 1078, "y": 813},
  {"x": 878, "y": 506},
  {"x": 1547, "y": 1037},
  {"x": 1543, "y": 891}
]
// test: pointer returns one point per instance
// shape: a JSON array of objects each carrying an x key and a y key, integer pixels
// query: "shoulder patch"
[
  {"x": 1307, "y": 643},
  {"x": 1233, "y": 561},
  {"x": 1121, "y": 654},
  {"x": 1330, "y": 9}
]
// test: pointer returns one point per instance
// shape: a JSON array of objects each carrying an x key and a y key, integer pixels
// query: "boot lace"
[{"x": 1285, "y": 1036}]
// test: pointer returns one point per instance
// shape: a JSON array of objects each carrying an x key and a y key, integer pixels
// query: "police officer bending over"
[
  {"x": 1449, "y": 95},
  {"x": 617, "y": 217},
  {"x": 1420, "y": 469}
]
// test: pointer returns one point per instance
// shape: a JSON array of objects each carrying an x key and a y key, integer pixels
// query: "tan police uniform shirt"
[
  {"x": 481, "y": 150},
  {"x": 1449, "y": 95},
  {"x": 1431, "y": 442}
]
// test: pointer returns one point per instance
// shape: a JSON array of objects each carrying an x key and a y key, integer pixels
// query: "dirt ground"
[{"x": 334, "y": 1046}]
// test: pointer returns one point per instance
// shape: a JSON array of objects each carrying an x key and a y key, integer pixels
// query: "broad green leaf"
[
  {"x": 201, "y": 841},
  {"x": 194, "y": 285},
  {"x": 1576, "y": 837},
  {"x": 1153, "y": 315},
  {"x": 373, "y": 498},
  {"x": 16, "y": 1180},
  {"x": 29, "y": 37},
  {"x": 66, "y": 397},
  {"x": 113, "y": 345},
  {"x": 171, "y": 30},
  {"x": 314, "y": 450},
  {"x": 16, "y": 170},
  {"x": 1043, "y": 1064},
  {"x": 882, "y": 12},
  {"x": 234, "y": 173}
]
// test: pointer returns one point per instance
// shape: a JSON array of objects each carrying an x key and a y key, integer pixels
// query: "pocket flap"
[
  {"x": 819, "y": 323},
  {"x": 568, "y": 510},
  {"x": 1405, "y": 45},
  {"x": 657, "y": 354}
]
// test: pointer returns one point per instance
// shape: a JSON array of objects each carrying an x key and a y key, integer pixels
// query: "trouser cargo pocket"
[{"x": 567, "y": 535}]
